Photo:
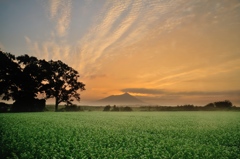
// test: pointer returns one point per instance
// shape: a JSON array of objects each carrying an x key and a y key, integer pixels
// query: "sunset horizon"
[{"x": 162, "y": 52}]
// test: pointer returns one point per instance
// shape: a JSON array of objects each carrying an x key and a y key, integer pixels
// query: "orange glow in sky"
[{"x": 163, "y": 52}]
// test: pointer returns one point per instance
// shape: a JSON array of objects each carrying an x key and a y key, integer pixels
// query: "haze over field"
[{"x": 165, "y": 52}]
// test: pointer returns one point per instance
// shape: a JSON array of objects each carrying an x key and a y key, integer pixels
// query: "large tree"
[
  {"x": 33, "y": 75},
  {"x": 62, "y": 83},
  {"x": 23, "y": 78},
  {"x": 9, "y": 71},
  {"x": 20, "y": 80}
]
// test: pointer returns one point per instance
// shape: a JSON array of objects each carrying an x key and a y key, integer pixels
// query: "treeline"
[
  {"x": 24, "y": 79},
  {"x": 219, "y": 105},
  {"x": 117, "y": 109},
  {"x": 215, "y": 106}
]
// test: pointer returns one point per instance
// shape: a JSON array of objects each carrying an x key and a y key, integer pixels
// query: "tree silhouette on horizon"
[
  {"x": 62, "y": 83},
  {"x": 24, "y": 77}
]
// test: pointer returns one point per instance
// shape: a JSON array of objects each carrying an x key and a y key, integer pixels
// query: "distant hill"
[{"x": 123, "y": 99}]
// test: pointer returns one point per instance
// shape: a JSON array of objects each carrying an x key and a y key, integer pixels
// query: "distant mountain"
[{"x": 123, "y": 99}]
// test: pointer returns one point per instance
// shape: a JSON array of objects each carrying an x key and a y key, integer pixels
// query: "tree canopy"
[
  {"x": 220, "y": 104},
  {"x": 62, "y": 83},
  {"x": 24, "y": 77},
  {"x": 9, "y": 75}
]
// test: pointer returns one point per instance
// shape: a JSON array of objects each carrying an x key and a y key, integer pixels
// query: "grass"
[{"x": 120, "y": 135}]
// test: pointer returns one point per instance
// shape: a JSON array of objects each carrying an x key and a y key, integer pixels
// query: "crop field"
[{"x": 120, "y": 135}]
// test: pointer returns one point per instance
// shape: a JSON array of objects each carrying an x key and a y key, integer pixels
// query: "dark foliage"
[
  {"x": 127, "y": 109},
  {"x": 71, "y": 108},
  {"x": 107, "y": 108},
  {"x": 210, "y": 105},
  {"x": 28, "y": 105},
  {"x": 215, "y": 106},
  {"x": 115, "y": 108},
  {"x": 223, "y": 104},
  {"x": 4, "y": 107},
  {"x": 220, "y": 104},
  {"x": 10, "y": 73},
  {"x": 62, "y": 83},
  {"x": 21, "y": 77},
  {"x": 24, "y": 77}
]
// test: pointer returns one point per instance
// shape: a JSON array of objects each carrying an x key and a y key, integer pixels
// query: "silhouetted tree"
[
  {"x": 210, "y": 105},
  {"x": 223, "y": 104},
  {"x": 20, "y": 80},
  {"x": 4, "y": 107},
  {"x": 72, "y": 108},
  {"x": 62, "y": 83},
  {"x": 115, "y": 108},
  {"x": 107, "y": 108},
  {"x": 24, "y": 77},
  {"x": 30, "y": 105},
  {"x": 186, "y": 107},
  {"x": 127, "y": 108},
  {"x": 33, "y": 75},
  {"x": 9, "y": 76}
]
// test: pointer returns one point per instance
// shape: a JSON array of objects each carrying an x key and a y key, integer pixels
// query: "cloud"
[
  {"x": 102, "y": 34},
  {"x": 176, "y": 77},
  {"x": 194, "y": 97},
  {"x": 54, "y": 5},
  {"x": 55, "y": 47},
  {"x": 151, "y": 91},
  {"x": 210, "y": 93},
  {"x": 144, "y": 91},
  {"x": 120, "y": 24},
  {"x": 95, "y": 76},
  {"x": 60, "y": 12},
  {"x": 50, "y": 50}
]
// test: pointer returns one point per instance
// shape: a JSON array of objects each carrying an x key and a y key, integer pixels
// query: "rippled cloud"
[
  {"x": 176, "y": 44},
  {"x": 120, "y": 24},
  {"x": 60, "y": 13}
]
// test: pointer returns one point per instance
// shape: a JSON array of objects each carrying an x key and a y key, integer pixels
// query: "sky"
[{"x": 165, "y": 52}]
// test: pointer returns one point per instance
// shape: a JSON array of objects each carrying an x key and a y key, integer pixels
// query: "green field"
[{"x": 120, "y": 135}]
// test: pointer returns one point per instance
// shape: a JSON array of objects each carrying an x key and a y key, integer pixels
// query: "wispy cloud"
[
  {"x": 54, "y": 5},
  {"x": 122, "y": 23},
  {"x": 144, "y": 91},
  {"x": 50, "y": 50},
  {"x": 171, "y": 97},
  {"x": 54, "y": 46},
  {"x": 119, "y": 25},
  {"x": 152, "y": 91},
  {"x": 92, "y": 46},
  {"x": 60, "y": 12}
]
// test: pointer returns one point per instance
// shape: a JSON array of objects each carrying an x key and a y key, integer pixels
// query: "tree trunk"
[{"x": 56, "y": 105}]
